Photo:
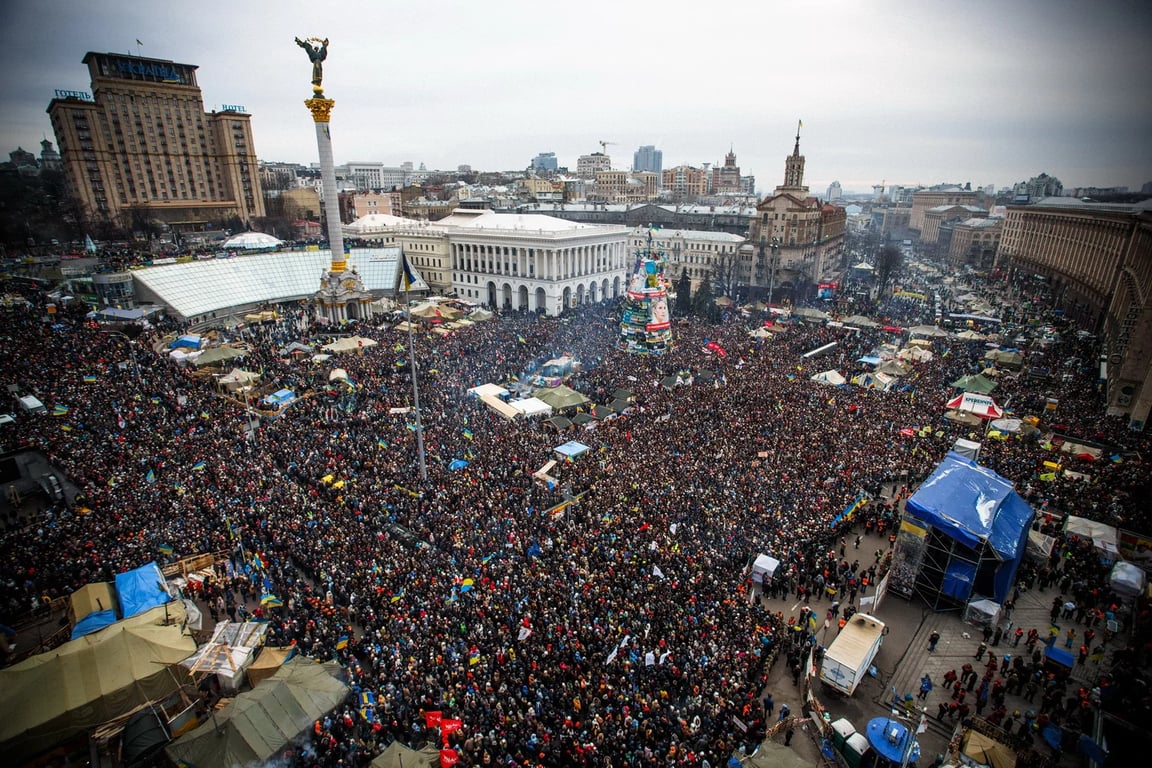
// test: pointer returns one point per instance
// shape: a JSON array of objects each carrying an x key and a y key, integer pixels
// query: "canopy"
[
  {"x": 262, "y": 722},
  {"x": 338, "y": 374},
  {"x": 500, "y": 407},
  {"x": 480, "y": 315},
  {"x": 561, "y": 397},
  {"x": 495, "y": 390},
  {"x": 252, "y": 241},
  {"x": 295, "y": 347},
  {"x": 829, "y": 377},
  {"x": 532, "y": 406},
  {"x": 773, "y": 755},
  {"x": 571, "y": 449},
  {"x": 764, "y": 567},
  {"x": 218, "y": 355},
  {"x": 1005, "y": 357},
  {"x": 892, "y": 368},
  {"x": 970, "y": 335},
  {"x": 984, "y": 750},
  {"x": 760, "y": 333},
  {"x": 929, "y": 331},
  {"x": 975, "y": 383},
  {"x": 348, "y": 344},
  {"x": 1127, "y": 579},
  {"x": 190, "y": 340},
  {"x": 230, "y": 649},
  {"x": 973, "y": 504},
  {"x": 808, "y": 313},
  {"x": 860, "y": 321},
  {"x": 1008, "y": 426},
  {"x": 82, "y": 683},
  {"x": 981, "y": 406},
  {"x": 238, "y": 378},
  {"x": 266, "y": 664},
  {"x": 1101, "y": 535},
  {"x": 141, "y": 589},
  {"x": 399, "y": 756},
  {"x": 97, "y": 596},
  {"x": 969, "y": 449}
]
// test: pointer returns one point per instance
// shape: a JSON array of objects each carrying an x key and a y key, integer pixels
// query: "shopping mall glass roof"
[{"x": 199, "y": 287}]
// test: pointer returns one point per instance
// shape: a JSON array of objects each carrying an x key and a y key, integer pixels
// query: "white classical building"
[{"x": 533, "y": 262}]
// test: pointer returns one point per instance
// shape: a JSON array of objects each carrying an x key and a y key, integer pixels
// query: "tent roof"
[
  {"x": 266, "y": 664},
  {"x": 973, "y": 504},
  {"x": 399, "y": 756},
  {"x": 829, "y": 377},
  {"x": 985, "y": 750},
  {"x": 252, "y": 241},
  {"x": 140, "y": 589},
  {"x": 218, "y": 355},
  {"x": 975, "y": 383},
  {"x": 979, "y": 405},
  {"x": 861, "y": 322},
  {"x": 494, "y": 390},
  {"x": 561, "y": 397},
  {"x": 91, "y": 679},
  {"x": 350, "y": 343},
  {"x": 571, "y": 449},
  {"x": 530, "y": 406},
  {"x": 261, "y": 722}
]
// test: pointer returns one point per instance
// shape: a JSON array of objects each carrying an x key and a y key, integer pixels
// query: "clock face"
[{"x": 349, "y": 283}]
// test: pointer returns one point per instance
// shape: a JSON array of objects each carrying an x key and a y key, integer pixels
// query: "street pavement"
[{"x": 904, "y": 659}]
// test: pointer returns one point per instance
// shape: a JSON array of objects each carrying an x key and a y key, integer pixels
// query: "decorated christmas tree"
[{"x": 646, "y": 324}]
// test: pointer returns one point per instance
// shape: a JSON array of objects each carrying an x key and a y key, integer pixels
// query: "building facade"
[
  {"x": 587, "y": 166},
  {"x": 365, "y": 203},
  {"x": 626, "y": 187},
  {"x": 686, "y": 181},
  {"x": 534, "y": 263},
  {"x": 834, "y": 192},
  {"x": 935, "y": 216},
  {"x": 973, "y": 243},
  {"x": 1096, "y": 259},
  {"x": 142, "y": 146},
  {"x": 545, "y": 162},
  {"x": 726, "y": 179},
  {"x": 924, "y": 199},
  {"x": 699, "y": 252},
  {"x": 648, "y": 158},
  {"x": 795, "y": 240}
]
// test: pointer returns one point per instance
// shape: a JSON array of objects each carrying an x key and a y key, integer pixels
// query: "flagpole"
[{"x": 415, "y": 388}]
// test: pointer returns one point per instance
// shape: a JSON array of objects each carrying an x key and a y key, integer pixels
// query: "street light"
[{"x": 131, "y": 348}]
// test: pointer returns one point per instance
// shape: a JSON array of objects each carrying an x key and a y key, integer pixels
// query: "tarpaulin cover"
[
  {"x": 93, "y": 622},
  {"x": 188, "y": 340},
  {"x": 52, "y": 696},
  {"x": 262, "y": 722},
  {"x": 974, "y": 504},
  {"x": 141, "y": 589},
  {"x": 399, "y": 756},
  {"x": 571, "y": 449}
]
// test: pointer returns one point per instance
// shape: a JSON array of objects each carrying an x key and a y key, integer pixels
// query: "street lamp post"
[
  {"x": 772, "y": 260},
  {"x": 131, "y": 349}
]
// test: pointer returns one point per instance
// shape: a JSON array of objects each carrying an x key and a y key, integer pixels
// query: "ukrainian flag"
[
  {"x": 164, "y": 549},
  {"x": 89, "y": 379},
  {"x": 474, "y": 658},
  {"x": 381, "y": 444},
  {"x": 407, "y": 276},
  {"x": 467, "y": 433},
  {"x": 342, "y": 643},
  {"x": 59, "y": 410},
  {"x": 198, "y": 466}
]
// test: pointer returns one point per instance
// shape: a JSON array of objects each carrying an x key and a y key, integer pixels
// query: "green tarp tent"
[
  {"x": 262, "y": 722},
  {"x": 975, "y": 383},
  {"x": 399, "y": 756},
  {"x": 561, "y": 397}
]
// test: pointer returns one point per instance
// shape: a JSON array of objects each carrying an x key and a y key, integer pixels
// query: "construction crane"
[{"x": 604, "y": 146}]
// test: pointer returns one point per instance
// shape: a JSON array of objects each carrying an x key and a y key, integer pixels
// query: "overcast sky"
[{"x": 984, "y": 91}]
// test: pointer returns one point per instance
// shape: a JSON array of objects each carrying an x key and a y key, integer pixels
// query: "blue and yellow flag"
[
  {"x": 407, "y": 276},
  {"x": 342, "y": 643}
]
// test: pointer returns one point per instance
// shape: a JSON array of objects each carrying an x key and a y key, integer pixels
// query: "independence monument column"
[{"x": 320, "y": 108}]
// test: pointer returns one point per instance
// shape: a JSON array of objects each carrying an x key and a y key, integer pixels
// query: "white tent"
[
  {"x": 338, "y": 374},
  {"x": 764, "y": 567},
  {"x": 252, "y": 241},
  {"x": 1127, "y": 579},
  {"x": 1101, "y": 535},
  {"x": 532, "y": 406},
  {"x": 967, "y": 448},
  {"x": 829, "y": 377},
  {"x": 492, "y": 390},
  {"x": 350, "y": 343}
]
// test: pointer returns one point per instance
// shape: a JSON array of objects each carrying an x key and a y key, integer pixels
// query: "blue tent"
[
  {"x": 93, "y": 622},
  {"x": 978, "y": 510},
  {"x": 280, "y": 398},
  {"x": 571, "y": 449},
  {"x": 190, "y": 340},
  {"x": 141, "y": 589}
]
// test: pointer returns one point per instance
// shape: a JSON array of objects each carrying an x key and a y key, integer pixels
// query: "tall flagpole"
[{"x": 415, "y": 388}]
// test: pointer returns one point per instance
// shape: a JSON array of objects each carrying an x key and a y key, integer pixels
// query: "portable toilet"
[
  {"x": 841, "y": 730},
  {"x": 855, "y": 746}
]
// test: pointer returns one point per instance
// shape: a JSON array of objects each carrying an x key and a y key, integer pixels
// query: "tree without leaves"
[
  {"x": 725, "y": 273},
  {"x": 683, "y": 293},
  {"x": 889, "y": 261}
]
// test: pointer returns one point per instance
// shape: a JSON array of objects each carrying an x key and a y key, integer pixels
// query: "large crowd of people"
[{"x": 615, "y": 630}]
